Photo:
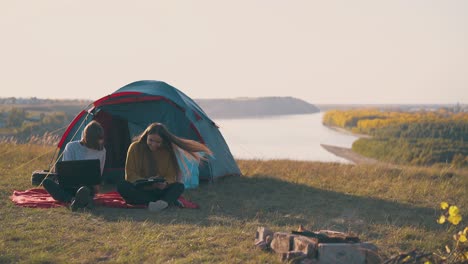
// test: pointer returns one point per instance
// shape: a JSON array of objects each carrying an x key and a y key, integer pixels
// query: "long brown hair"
[
  {"x": 171, "y": 142},
  {"x": 92, "y": 133}
]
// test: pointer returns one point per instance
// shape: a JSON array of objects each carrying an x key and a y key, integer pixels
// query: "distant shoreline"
[{"x": 348, "y": 154}]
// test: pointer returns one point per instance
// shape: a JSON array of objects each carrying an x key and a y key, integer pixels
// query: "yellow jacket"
[{"x": 141, "y": 163}]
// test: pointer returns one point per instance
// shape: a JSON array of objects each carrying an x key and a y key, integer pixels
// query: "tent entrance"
[{"x": 116, "y": 141}]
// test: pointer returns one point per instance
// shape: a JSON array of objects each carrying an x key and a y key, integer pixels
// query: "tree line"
[
  {"x": 423, "y": 137},
  {"x": 23, "y": 124}
]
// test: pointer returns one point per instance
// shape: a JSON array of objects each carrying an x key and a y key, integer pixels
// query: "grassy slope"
[{"x": 393, "y": 208}]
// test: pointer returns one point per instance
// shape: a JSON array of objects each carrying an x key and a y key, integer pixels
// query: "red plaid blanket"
[{"x": 40, "y": 198}]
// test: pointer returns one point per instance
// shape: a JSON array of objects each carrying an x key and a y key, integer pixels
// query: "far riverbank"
[{"x": 348, "y": 153}]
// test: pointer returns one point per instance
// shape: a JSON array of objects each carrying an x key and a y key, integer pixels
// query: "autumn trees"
[{"x": 423, "y": 137}]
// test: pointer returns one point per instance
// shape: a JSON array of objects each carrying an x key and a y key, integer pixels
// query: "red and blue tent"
[{"x": 128, "y": 111}]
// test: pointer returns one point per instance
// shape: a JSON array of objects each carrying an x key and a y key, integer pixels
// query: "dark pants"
[
  {"x": 133, "y": 195},
  {"x": 60, "y": 193}
]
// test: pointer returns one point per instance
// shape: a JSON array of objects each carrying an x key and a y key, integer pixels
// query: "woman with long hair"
[
  {"x": 91, "y": 146},
  {"x": 154, "y": 154}
]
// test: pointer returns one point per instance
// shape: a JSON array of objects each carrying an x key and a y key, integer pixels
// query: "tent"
[{"x": 128, "y": 111}]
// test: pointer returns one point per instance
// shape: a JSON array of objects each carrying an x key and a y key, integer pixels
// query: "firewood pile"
[{"x": 317, "y": 247}]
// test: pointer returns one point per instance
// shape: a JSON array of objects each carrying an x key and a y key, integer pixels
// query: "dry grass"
[
  {"x": 50, "y": 139},
  {"x": 395, "y": 208}
]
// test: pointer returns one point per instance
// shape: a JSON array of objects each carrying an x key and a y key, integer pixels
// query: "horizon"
[
  {"x": 336, "y": 52},
  {"x": 242, "y": 98}
]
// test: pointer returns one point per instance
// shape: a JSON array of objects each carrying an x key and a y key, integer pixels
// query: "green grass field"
[{"x": 394, "y": 208}]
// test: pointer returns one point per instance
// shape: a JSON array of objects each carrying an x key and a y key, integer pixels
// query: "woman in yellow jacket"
[{"x": 153, "y": 154}]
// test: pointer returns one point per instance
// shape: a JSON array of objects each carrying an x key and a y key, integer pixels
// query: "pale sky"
[{"x": 395, "y": 51}]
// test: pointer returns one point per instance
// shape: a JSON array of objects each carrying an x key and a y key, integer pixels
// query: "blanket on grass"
[{"x": 40, "y": 198}]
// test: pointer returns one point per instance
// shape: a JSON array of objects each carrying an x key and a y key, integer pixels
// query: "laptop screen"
[{"x": 76, "y": 173}]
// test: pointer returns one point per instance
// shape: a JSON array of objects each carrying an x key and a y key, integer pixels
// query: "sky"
[{"x": 324, "y": 52}]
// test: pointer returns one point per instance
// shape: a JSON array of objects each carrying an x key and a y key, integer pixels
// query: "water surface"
[{"x": 296, "y": 137}]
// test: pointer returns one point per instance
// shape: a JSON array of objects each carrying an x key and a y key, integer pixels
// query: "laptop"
[{"x": 76, "y": 173}]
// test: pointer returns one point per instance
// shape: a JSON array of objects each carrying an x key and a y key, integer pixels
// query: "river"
[{"x": 295, "y": 137}]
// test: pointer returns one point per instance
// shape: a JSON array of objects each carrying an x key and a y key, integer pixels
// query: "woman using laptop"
[
  {"x": 91, "y": 146},
  {"x": 154, "y": 154}
]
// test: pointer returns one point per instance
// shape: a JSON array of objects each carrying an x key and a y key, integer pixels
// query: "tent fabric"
[
  {"x": 40, "y": 198},
  {"x": 129, "y": 110}
]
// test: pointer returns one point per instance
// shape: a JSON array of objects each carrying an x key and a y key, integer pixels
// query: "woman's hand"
[{"x": 179, "y": 178}]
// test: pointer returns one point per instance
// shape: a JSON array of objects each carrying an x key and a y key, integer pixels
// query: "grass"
[{"x": 394, "y": 208}]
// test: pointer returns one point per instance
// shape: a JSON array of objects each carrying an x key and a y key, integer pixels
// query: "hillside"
[
  {"x": 393, "y": 207},
  {"x": 215, "y": 108},
  {"x": 255, "y": 107}
]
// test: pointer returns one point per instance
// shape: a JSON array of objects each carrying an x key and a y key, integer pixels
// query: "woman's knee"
[
  {"x": 48, "y": 183},
  {"x": 179, "y": 186}
]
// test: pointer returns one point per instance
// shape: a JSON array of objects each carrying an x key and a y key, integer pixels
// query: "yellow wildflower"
[
  {"x": 444, "y": 205},
  {"x": 462, "y": 238},
  {"x": 453, "y": 210},
  {"x": 441, "y": 219},
  {"x": 454, "y": 219}
]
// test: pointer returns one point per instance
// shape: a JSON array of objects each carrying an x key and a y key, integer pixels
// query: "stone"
[
  {"x": 282, "y": 242},
  {"x": 294, "y": 256},
  {"x": 306, "y": 245},
  {"x": 261, "y": 245},
  {"x": 372, "y": 253},
  {"x": 341, "y": 253},
  {"x": 372, "y": 257},
  {"x": 262, "y": 234},
  {"x": 369, "y": 246}
]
